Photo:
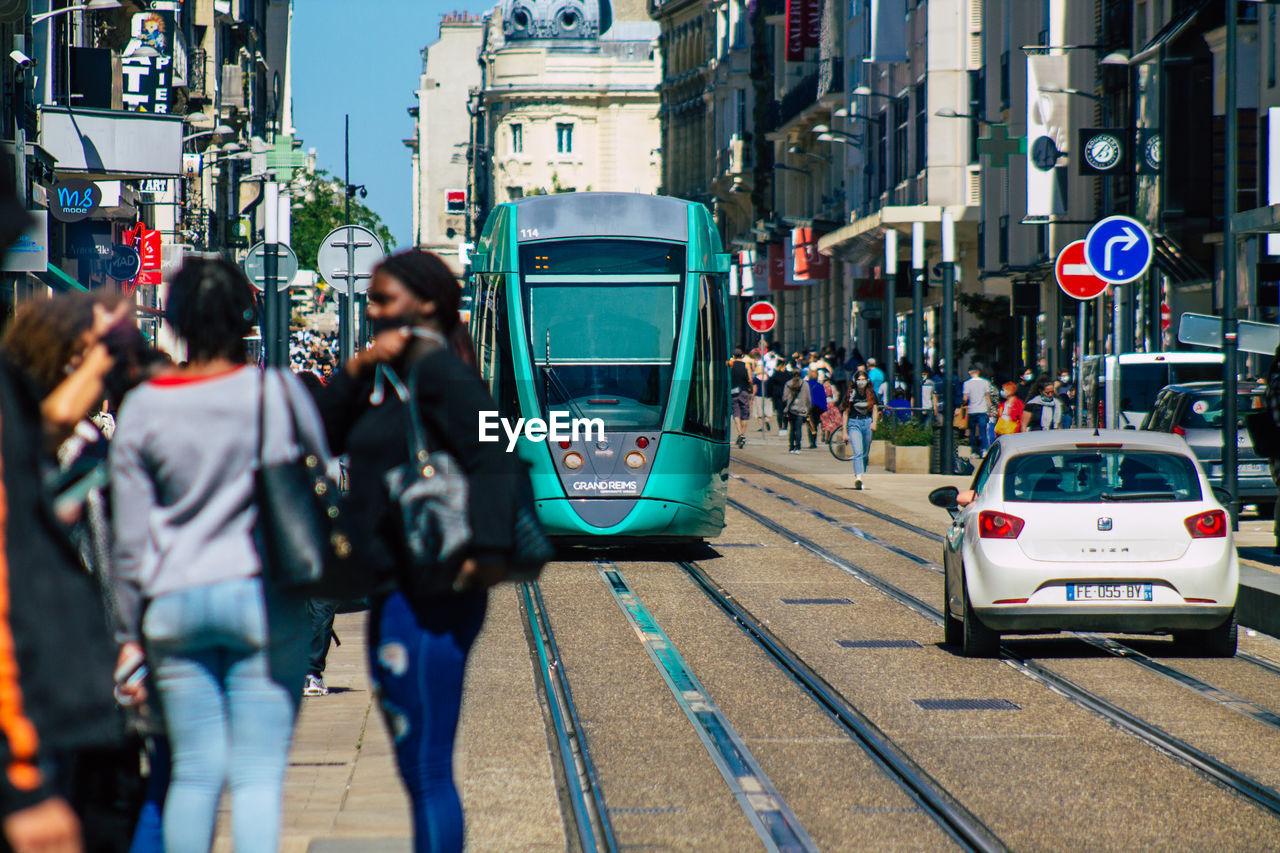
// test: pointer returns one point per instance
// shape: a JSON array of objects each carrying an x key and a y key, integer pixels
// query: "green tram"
[{"x": 606, "y": 311}]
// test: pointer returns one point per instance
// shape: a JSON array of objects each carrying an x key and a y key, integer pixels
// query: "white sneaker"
[
  {"x": 857, "y": 482},
  {"x": 314, "y": 686}
]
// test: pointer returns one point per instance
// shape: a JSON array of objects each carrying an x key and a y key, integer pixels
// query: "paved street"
[{"x": 1027, "y": 773}]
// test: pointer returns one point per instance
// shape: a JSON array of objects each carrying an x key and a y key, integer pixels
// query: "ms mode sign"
[{"x": 74, "y": 199}]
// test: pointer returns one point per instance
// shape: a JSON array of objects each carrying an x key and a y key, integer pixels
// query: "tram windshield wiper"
[{"x": 552, "y": 380}]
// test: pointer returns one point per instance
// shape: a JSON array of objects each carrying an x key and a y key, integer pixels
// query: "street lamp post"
[
  {"x": 1230, "y": 431},
  {"x": 948, "y": 340}
]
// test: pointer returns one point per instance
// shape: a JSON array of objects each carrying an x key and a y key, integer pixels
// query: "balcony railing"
[
  {"x": 831, "y": 76},
  {"x": 733, "y": 159},
  {"x": 797, "y": 98}
]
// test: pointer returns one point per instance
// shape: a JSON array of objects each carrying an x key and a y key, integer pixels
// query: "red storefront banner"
[
  {"x": 810, "y": 264},
  {"x": 803, "y": 27},
  {"x": 777, "y": 267}
]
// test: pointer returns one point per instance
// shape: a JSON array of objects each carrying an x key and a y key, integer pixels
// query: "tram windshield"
[{"x": 602, "y": 317}]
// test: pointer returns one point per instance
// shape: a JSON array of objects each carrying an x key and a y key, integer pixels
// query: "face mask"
[
  {"x": 1027, "y": 377},
  {"x": 386, "y": 324},
  {"x": 1004, "y": 393},
  {"x": 1064, "y": 378},
  {"x": 862, "y": 383}
]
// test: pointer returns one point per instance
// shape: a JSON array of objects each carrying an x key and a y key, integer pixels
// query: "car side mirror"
[
  {"x": 1223, "y": 496},
  {"x": 945, "y": 497}
]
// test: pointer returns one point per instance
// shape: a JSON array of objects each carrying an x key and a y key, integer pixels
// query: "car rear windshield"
[
  {"x": 1205, "y": 409},
  {"x": 1100, "y": 475}
]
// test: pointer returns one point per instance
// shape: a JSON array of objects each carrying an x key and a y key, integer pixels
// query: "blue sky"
[{"x": 347, "y": 58}]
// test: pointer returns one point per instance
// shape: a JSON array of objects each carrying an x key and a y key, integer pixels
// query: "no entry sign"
[
  {"x": 1074, "y": 275},
  {"x": 761, "y": 316}
]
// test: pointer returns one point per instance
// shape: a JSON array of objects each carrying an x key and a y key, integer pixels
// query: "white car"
[{"x": 1114, "y": 530}]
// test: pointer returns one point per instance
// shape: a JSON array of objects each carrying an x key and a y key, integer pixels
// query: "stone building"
[
  {"x": 442, "y": 133},
  {"x": 568, "y": 101}
]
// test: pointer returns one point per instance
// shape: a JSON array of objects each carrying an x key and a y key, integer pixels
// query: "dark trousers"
[
  {"x": 795, "y": 425},
  {"x": 321, "y": 613}
]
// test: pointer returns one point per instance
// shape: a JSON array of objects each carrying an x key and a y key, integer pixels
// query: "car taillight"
[
  {"x": 1177, "y": 430},
  {"x": 998, "y": 525},
  {"x": 1211, "y": 524}
]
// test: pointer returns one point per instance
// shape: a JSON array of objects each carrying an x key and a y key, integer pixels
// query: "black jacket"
[
  {"x": 376, "y": 439},
  {"x": 56, "y": 654}
]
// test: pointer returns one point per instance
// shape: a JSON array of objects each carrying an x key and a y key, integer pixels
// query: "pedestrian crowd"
[
  {"x": 817, "y": 392},
  {"x": 153, "y": 649}
]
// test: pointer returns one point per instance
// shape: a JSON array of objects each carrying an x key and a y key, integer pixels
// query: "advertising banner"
[
  {"x": 31, "y": 252},
  {"x": 810, "y": 265},
  {"x": 888, "y": 31},
  {"x": 146, "y": 64},
  {"x": 1047, "y": 130}
]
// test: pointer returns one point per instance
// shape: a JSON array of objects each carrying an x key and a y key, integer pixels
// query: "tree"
[{"x": 318, "y": 208}]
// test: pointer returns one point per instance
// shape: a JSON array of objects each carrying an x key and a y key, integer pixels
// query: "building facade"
[
  {"x": 568, "y": 101},
  {"x": 168, "y": 116},
  {"x": 441, "y": 135}
]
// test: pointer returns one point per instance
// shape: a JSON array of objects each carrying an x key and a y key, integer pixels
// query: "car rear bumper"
[{"x": 1126, "y": 619}]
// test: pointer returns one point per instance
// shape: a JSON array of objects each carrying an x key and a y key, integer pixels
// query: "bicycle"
[{"x": 838, "y": 444}]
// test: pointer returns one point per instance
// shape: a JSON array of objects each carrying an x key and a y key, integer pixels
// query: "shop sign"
[{"x": 74, "y": 199}]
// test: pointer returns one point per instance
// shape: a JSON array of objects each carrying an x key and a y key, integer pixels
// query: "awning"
[
  {"x": 1168, "y": 33},
  {"x": 1171, "y": 260},
  {"x": 59, "y": 280}
]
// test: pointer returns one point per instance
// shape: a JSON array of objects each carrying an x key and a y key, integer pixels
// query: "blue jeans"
[
  {"x": 228, "y": 666},
  {"x": 859, "y": 430},
  {"x": 978, "y": 433},
  {"x": 418, "y": 655}
]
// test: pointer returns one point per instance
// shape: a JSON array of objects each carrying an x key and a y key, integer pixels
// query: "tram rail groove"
[
  {"x": 764, "y": 807},
  {"x": 590, "y": 814},
  {"x": 952, "y": 817},
  {"x": 1234, "y": 780},
  {"x": 1111, "y": 646}
]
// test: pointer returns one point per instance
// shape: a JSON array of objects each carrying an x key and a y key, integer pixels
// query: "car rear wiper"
[{"x": 1137, "y": 496}]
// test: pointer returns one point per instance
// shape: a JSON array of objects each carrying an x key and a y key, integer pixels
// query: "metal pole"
[
  {"x": 1081, "y": 315},
  {"x": 890, "y": 320},
  {"x": 916, "y": 349},
  {"x": 1229, "y": 431},
  {"x": 344, "y": 299},
  {"x": 948, "y": 341},
  {"x": 270, "y": 272}
]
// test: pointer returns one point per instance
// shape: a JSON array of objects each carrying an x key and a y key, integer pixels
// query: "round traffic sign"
[
  {"x": 347, "y": 257},
  {"x": 761, "y": 316},
  {"x": 255, "y": 266},
  {"x": 1118, "y": 249},
  {"x": 1074, "y": 275}
]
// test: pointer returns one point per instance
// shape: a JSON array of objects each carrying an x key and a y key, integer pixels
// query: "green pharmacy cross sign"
[
  {"x": 283, "y": 159},
  {"x": 999, "y": 146}
]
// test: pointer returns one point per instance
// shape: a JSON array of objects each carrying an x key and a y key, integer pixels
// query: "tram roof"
[{"x": 601, "y": 214}]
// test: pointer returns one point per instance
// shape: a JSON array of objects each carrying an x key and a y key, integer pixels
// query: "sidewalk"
[{"x": 342, "y": 791}]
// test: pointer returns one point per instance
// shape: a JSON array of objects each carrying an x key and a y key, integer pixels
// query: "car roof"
[
  {"x": 1169, "y": 357},
  {"x": 1195, "y": 387},
  {"x": 1067, "y": 439}
]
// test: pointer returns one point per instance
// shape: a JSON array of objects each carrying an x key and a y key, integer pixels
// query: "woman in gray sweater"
[{"x": 228, "y": 655}]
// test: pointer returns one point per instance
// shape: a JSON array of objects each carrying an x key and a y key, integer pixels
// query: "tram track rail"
[
  {"x": 587, "y": 812},
  {"x": 1115, "y": 648},
  {"x": 961, "y": 825},
  {"x": 1218, "y": 771}
]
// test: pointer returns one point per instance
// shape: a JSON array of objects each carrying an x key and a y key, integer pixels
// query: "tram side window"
[{"x": 707, "y": 411}]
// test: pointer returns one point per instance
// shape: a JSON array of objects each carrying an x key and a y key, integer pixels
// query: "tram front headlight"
[
  {"x": 634, "y": 459},
  {"x": 572, "y": 461}
]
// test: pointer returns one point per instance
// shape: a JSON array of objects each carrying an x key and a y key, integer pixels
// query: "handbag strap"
[
  {"x": 262, "y": 417},
  {"x": 419, "y": 446}
]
